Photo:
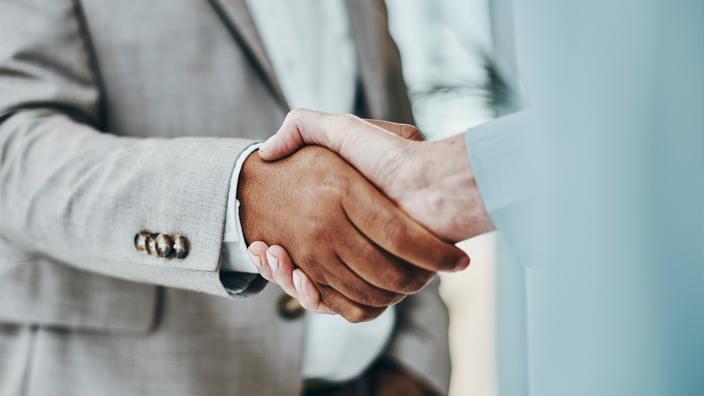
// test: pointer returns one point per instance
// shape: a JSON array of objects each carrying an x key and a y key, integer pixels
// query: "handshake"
[{"x": 354, "y": 226}]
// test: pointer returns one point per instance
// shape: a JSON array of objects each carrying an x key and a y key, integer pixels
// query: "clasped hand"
[{"x": 330, "y": 238}]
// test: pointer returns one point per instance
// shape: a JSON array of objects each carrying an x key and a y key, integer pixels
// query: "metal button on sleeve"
[
  {"x": 181, "y": 246},
  {"x": 151, "y": 244},
  {"x": 289, "y": 308},
  {"x": 164, "y": 245},
  {"x": 141, "y": 241}
]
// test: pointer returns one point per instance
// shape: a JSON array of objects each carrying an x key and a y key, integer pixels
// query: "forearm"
[{"x": 80, "y": 196}]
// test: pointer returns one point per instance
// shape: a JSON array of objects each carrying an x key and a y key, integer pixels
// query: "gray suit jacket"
[{"x": 120, "y": 115}]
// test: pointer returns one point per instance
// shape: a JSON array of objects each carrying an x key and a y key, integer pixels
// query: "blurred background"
[
  {"x": 641, "y": 332},
  {"x": 447, "y": 53}
]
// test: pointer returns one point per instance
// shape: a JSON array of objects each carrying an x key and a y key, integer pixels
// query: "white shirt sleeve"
[{"x": 234, "y": 249}]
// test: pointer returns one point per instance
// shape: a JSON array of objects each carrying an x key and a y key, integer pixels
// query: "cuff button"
[
  {"x": 181, "y": 246},
  {"x": 151, "y": 244},
  {"x": 289, "y": 308},
  {"x": 164, "y": 245},
  {"x": 141, "y": 241}
]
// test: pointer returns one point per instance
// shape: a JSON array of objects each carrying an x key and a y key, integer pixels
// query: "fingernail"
[
  {"x": 273, "y": 261},
  {"x": 297, "y": 281},
  {"x": 462, "y": 264},
  {"x": 255, "y": 259}
]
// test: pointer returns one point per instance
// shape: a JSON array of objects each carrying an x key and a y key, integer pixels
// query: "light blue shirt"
[{"x": 606, "y": 293}]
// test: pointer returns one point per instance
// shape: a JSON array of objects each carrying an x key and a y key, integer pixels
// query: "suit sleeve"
[{"x": 79, "y": 195}]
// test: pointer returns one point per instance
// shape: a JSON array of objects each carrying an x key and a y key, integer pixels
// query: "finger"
[
  {"x": 337, "y": 275},
  {"x": 257, "y": 253},
  {"x": 403, "y": 130},
  {"x": 382, "y": 269},
  {"x": 281, "y": 269},
  {"x": 305, "y": 291},
  {"x": 348, "y": 309},
  {"x": 391, "y": 229},
  {"x": 361, "y": 143},
  {"x": 305, "y": 127},
  {"x": 300, "y": 127},
  {"x": 308, "y": 294}
]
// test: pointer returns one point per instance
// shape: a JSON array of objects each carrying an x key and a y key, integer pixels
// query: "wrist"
[
  {"x": 440, "y": 189},
  {"x": 458, "y": 182},
  {"x": 233, "y": 228},
  {"x": 247, "y": 187}
]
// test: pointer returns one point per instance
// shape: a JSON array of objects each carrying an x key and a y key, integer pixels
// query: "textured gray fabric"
[
  {"x": 38, "y": 291},
  {"x": 116, "y": 116},
  {"x": 421, "y": 342},
  {"x": 16, "y": 347}
]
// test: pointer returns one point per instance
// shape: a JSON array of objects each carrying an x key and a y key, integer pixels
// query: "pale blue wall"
[{"x": 615, "y": 295}]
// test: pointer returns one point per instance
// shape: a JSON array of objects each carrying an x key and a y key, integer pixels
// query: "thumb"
[
  {"x": 405, "y": 131},
  {"x": 366, "y": 145},
  {"x": 303, "y": 127}
]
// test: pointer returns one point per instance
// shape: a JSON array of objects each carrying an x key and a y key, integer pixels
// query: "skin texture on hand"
[
  {"x": 430, "y": 181},
  {"x": 359, "y": 250}
]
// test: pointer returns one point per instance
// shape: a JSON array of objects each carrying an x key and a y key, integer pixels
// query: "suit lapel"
[
  {"x": 236, "y": 16},
  {"x": 366, "y": 18}
]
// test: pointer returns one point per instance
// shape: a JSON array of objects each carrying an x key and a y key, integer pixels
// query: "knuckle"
[
  {"x": 395, "y": 233},
  {"x": 307, "y": 303},
  {"x": 394, "y": 275},
  {"x": 424, "y": 277},
  {"x": 350, "y": 118},
  {"x": 356, "y": 314},
  {"x": 382, "y": 298},
  {"x": 305, "y": 255},
  {"x": 338, "y": 188},
  {"x": 352, "y": 312},
  {"x": 295, "y": 113},
  {"x": 404, "y": 282},
  {"x": 318, "y": 229},
  {"x": 448, "y": 260},
  {"x": 310, "y": 263},
  {"x": 411, "y": 132}
]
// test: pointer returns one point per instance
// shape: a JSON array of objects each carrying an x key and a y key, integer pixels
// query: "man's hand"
[
  {"x": 430, "y": 181},
  {"x": 359, "y": 250}
]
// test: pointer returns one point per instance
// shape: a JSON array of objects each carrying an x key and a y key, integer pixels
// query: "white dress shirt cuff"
[{"x": 234, "y": 249}]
